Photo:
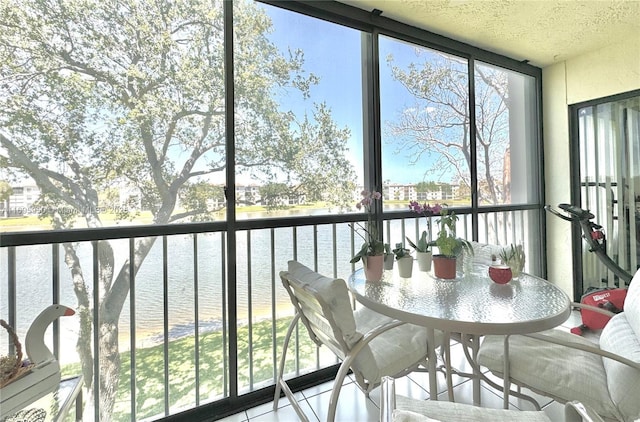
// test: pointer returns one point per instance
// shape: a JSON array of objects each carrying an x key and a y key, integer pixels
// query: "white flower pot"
[
  {"x": 424, "y": 260},
  {"x": 405, "y": 267},
  {"x": 388, "y": 261}
]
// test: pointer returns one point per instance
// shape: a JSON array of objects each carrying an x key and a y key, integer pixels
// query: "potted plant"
[
  {"x": 405, "y": 261},
  {"x": 423, "y": 253},
  {"x": 513, "y": 256},
  {"x": 448, "y": 245},
  {"x": 372, "y": 249},
  {"x": 388, "y": 257}
]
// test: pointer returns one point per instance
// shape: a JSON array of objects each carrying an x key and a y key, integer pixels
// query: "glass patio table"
[{"x": 471, "y": 305}]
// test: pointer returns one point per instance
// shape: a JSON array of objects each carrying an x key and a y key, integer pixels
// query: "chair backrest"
[
  {"x": 482, "y": 252},
  {"x": 324, "y": 307},
  {"x": 621, "y": 336}
]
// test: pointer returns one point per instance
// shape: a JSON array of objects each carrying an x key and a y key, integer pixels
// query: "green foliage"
[
  {"x": 447, "y": 242},
  {"x": 131, "y": 94},
  {"x": 374, "y": 247},
  {"x": 370, "y": 233},
  {"x": 275, "y": 195},
  {"x": 514, "y": 257},
  {"x": 150, "y": 367},
  {"x": 422, "y": 245},
  {"x": 5, "y": 190},
  {"x": 400, "y": 251},
  {"x": 424, "y": 187},
  {"x": 141, "y": 101},
  {"x": 200, "y": 199}
]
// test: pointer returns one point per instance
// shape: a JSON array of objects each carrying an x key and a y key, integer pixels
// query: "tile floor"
[{"x": 353, "y": 406}]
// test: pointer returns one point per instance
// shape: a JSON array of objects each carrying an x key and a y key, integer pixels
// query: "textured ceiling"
[{"x": 542, "y": 31}]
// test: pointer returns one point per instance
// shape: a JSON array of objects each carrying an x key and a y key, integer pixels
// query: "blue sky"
[{"x": 332, "y": 52}]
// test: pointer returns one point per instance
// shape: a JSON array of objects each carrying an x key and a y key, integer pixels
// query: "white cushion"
[
  {"x": 408, "y": 416},
  {"x": 335, "y": 294},
  {"x": 392, "y": 351},
  {"x": 623, "y": 381},
  {"x": 388, "y": 354},
  {"x": 448, "y": 411},
  {"x": 632, "y": 304},
  {"x": 553, "y": 370}
]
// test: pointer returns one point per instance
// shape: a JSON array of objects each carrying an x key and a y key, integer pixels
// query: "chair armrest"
[
  {"x": 584, "y": 347},
  {"x": 592, "y": 308},
  {"x": 376, "y": 331},
  {"x": 575, "y": 411},
  {"x": 387, "y": 399}
]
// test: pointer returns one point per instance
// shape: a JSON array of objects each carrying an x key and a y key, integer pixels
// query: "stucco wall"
[{"x": 608, "y": 71}]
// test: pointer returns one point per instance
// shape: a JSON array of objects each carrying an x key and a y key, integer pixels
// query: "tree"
[
  {"x": 100, "y": 95},
  {"x": 5, "y": 194},
  {"x": 438, "y": 123},
  {"x": 275, "y": 196},
  {"x": 424, "y": 187}
]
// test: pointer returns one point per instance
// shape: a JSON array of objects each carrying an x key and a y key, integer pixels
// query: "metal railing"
[{"x": 178, "y": 307}]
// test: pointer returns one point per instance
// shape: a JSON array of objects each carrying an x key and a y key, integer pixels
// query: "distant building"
[
  {"x": 399, "y": 192},
  {"x": 408, "y": 192},
  {"x": 247, "y": 195},
  {"x": 21, "y": 201}
]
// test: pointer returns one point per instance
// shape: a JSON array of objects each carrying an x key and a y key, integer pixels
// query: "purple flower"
[
  {"x": 437, "y": 209},
  {"x": 425, "y": 208}
]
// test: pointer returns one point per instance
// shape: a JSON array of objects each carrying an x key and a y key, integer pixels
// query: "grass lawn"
[{"x": 149, "y": 368}]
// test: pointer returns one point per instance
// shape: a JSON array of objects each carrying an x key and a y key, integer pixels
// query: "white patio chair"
[
  {"x": 566, "y": 367},
  {"x": 370, "y": 344},
  {"x": 398, "y": 408}
]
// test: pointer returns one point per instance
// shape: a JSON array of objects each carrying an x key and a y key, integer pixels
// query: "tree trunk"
[
  {"x": 109, "y": 313},
  {"x": 109, "y": 358},
  {"x": 83, "y": 346}
]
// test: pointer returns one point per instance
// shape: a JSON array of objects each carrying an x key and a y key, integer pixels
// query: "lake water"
[{"x": 261, "y": 255}]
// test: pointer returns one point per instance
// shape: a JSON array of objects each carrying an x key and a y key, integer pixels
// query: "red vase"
[
  {"x": 444, "y": 267},
  {"x": 373, "y": 267},
  {"x": 500, "y": 274}
]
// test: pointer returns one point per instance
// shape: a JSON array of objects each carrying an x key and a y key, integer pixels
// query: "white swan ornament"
[{"x": 44, "y": 376}]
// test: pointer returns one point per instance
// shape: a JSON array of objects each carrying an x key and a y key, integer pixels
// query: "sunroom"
[{"x": 163, "y": 161}]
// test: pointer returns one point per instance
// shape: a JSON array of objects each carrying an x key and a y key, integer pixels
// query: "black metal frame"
[
  {"x": 574, "y": 170},
  {"x": 373, "y": 24}
]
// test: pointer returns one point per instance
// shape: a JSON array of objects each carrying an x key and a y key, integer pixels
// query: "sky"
[{"x": 332, "y": 52}]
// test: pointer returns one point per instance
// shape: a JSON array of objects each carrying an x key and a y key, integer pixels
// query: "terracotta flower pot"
[
  {"x": 444, "y": 266},
  {"x": 373, "y": 267}
]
